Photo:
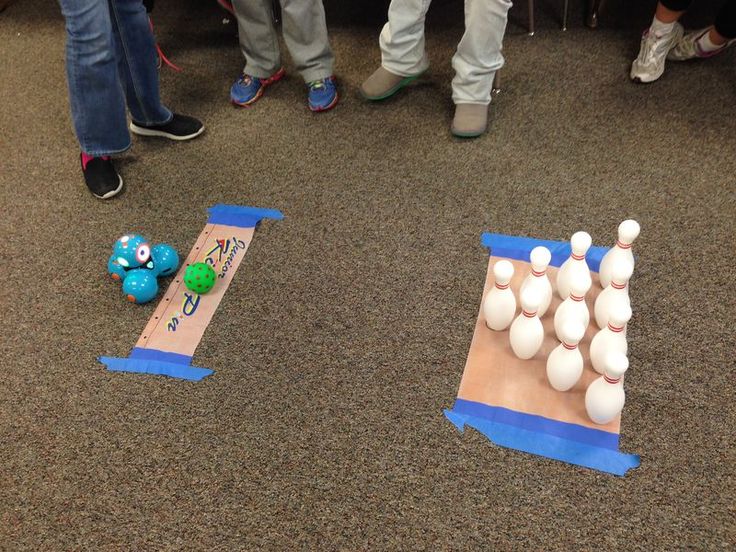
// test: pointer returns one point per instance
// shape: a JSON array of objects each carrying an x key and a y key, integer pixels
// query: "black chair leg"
[{"x": 531, "y": 17}]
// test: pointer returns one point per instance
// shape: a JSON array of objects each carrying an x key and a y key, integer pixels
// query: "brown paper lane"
[
  {"x": 181, "y": 317},
  {"x": 495, "y": 376}
]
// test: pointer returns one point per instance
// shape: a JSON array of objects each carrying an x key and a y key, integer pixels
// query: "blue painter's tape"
[
  {"x": 519, "y": 248},
  {"x": 550, "y": 446},
  {"x": 540, "y": 424},
  {"x": 155, "y": 367},
  {"x": 156, "y": 354},
  {"x": 243, "y": 217}
]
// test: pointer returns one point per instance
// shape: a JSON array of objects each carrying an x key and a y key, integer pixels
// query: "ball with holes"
[{"x": 200, "y": 278}]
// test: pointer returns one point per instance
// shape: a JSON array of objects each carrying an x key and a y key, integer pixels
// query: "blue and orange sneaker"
[
  {"x": 247, "y": 89},
  {"x": 322, "y": 94}
]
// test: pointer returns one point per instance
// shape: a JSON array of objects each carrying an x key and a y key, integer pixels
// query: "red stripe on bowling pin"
[
  {"x": 579, "y": 257},
  {"x": 622, "y": 245},
  {"x": 610, "y": 379},
  {"x": 529, "y": 314},
  {"x": 569, "y": 347},
  {"x": 614, "y": 328},
  {"x": 618, "y": 286},
  {"x": 502, "y": 286}
]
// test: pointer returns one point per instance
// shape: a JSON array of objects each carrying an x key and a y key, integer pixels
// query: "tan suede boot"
[
  {"x": 470, "y": 120},
  {"x": 383, "y": 84}
]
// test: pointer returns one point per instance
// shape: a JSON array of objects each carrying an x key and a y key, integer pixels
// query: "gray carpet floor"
[{"x": 345, "y": 331}]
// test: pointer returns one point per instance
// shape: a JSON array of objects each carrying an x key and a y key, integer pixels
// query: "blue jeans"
[{"x": 110, "y": 58}]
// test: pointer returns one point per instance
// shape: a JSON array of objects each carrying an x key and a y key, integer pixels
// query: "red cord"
[{"x": 161, "y": 54}]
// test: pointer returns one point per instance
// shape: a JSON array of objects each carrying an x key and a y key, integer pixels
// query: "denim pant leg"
[
  {"x": 136, "y": 53},
  {"x": 95, "y": 95}
]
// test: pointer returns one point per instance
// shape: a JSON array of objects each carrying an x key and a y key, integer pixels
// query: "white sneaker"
[
  {"x": 688, "y": 48},
  {"x": 649, "y": 65}
]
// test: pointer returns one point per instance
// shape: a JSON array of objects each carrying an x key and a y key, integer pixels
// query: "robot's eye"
[{"x": 142, "y": 253}]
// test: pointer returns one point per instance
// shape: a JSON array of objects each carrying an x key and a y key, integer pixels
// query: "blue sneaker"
[
  {"x": 322, "y": 94},
  {"x": 247, "y": 89}
]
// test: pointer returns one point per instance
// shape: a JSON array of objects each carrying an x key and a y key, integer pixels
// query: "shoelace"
[
  {"x": 647, "y": 53},
  {"x": 650, "y": 47},
  {"x": 322, "y": 83}
]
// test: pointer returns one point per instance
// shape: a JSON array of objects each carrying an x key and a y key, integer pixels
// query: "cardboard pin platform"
[{"x": 510, "y": 400}]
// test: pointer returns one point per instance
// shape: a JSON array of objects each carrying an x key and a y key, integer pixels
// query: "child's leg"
[
  {"x": 476, "y": 61},
  {"x": 305, "y": 34},
  {"x": 95, "y": 94},
  {"x": 711, "y": 41},
  {"x": 669, "y": 11},
  {"x": 725, "y": 25},
  {"x": 402, "y": 38},
  {"x": 658, "y": 40},
  {"x": 136, "y": 51},
  {"x": 258, "y": 40},
  {"x": 478, "y": 55},
  {"x": 403, "y": 57}
]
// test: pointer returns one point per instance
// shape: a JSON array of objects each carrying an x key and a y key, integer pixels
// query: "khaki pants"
[
  {"x": 305, "y": 34},
  {"x": 478, "y": 55}
]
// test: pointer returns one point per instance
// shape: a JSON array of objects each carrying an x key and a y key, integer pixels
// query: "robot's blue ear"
[
  {"x": 116, "y": 271},
  {"x": 165, "y": 258},
  {"x": 140, "y": 286}
]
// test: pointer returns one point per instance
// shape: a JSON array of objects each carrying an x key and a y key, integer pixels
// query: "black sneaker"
[
  {"x": 180, "y": 127},
  {"x": 101, "y": 177}
]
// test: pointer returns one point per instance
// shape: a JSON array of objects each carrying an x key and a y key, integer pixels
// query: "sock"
[
  {"x": 706, "y": 45},
  {"x": 660, "y": 29},
  {"x": 86, "y": 158}
]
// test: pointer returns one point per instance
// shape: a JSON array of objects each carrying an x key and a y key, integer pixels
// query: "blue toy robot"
[{"x": 138, "y": 265}]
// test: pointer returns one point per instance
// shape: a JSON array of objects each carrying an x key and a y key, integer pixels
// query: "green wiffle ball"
[{"x": 200, "y": 278}]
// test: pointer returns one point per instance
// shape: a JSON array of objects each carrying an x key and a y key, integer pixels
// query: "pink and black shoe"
[{"x": 100, "y": 176}]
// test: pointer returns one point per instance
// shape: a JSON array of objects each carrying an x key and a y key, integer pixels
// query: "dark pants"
[{"x": 725, "y": 20}]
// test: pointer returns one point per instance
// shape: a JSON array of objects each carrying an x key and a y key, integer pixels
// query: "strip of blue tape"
[
  {"x": 156, "y": 354},
  {"x": 158, "y": 363},
  {"x": 532, "y": 422},
  {"x": 519, "y": 247},
  {"x": 240, "y": 216},
  {"x": 528, "y": 433}
]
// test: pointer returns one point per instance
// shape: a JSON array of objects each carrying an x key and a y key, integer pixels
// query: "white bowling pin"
[
  {"x": 526, "y": 333},
  {"x": 575, "y": 266},
  {"x": 574, "y": 307},
  {"x": 499, "y": 306},
  {"x": 539, "y": 258},
  {"x": 565, "y": 363},
  {"x": 616, "y": 293},
  {"x": 610, "y": 339},
  {"x": 605, "y": 397},
  {"x": 628, "y": 231}
]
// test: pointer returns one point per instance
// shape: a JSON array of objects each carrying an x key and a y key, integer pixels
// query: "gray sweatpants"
[
  {"x": 478, "y": 55},
  {"x": 305, "y": 34}
]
